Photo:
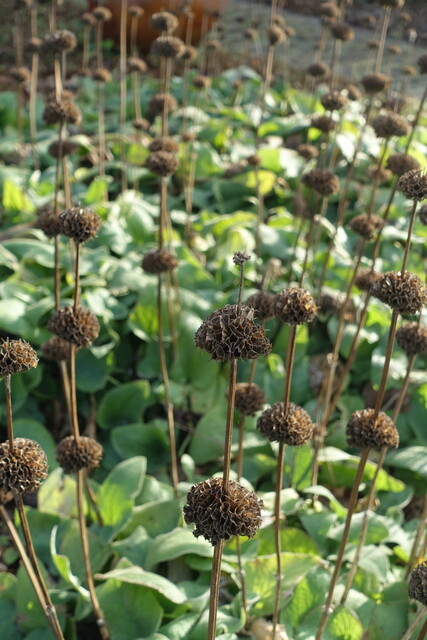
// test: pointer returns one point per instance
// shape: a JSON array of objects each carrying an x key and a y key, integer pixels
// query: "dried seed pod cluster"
[
  {"x": 158, "y": 261},
  {"x": 162, "y": 163},
  {"x": 80, "y": 327},
  {"x": 366, "y": 225},
  {"x": 400, "y": 163},
  {"x": 80, "y": 224},
  {"x": 406, "y": 294},
  {"x": 164, "y": 21},
  {"x": 417, "y": 588},
  {"x": 412, "y": 338},
  {"x": 323, "y": 181},
  {"x": 363, "y": 431},
  {"x": 366, "y": 278},
  {"x": 168, "y": 47},
  {"x": 376, "y": 82},
  {"x": 83, "y": 453},
  {"x": 48, "y": 221},
  {"x": 390, "y": 124},
  {"x": 56, "y": 349},
  {"x": 249, "y": 398},
  {"x": 413, "y": 185},
  {"x": 16, "y": 356},
  {"x": 295, "y": 306},
  {"x": 263, "y": 303},
  {"x": 25, "y": 468},
  {"x": 293, "y": 427},
  {"x": 158, "y": 101}
]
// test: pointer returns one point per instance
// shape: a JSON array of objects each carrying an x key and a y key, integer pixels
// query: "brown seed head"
[
  {"x": 20, "y": 75},
  {"x": 390, "y": 124},
  {"x": 333, "y": 101},
  {"x": 378, "y": 173},
  {"x": 307, "y": 151},
  {"x": 156, "y": 104},
  {"x": 58, "y": 41},
  {"x": 293, "y": 428},
  {"x": 101, "y": 14},
  {"x": 220, "y": 516},
  {"x": 48, "y": 221},
  {"x": 230, "y": 333},
  {"x": 80, "y": 328},
  {"x": 422, "y": 63},
  {"x": 89, "y": 19},
  {"x": 317, "y": 69},
  {"x": 323, "y": 123},
  {"x": 240, "y": 258},
  {"x": 406, "y": 294},
  {"x": 329, "y": 10},
  {"x": 394, "y": 49},
  {"x": 33, "y": 45},
  {"x": 275, "y": 35},
  {"x": 158, "y": 261},
  {"x": 413, "y": 184},
  {"x": 263, "y": 304},
  {"x": 409, "y": 70},
  {"x": 295, "y": 306},
  {"x": 249, "y": 398},
  {"x": 140, "y": 124},
  {"x": 164, "y": 21},
  {"x": 422, "y": 214},
  {"x": 84, "y": 453},
  {"x": 363, "y": 431},
  {"x": 136, "y": 64},
  {"x": 250, "y": 34},
  {"x": 164, "y": 144},
  {"x": 321, "y": 180},
  {"x": 213, "y": 45},
  {"x": 373, "y": 44},
  {"x": 400, "y": 163},
  {"x": 25, "y": 468},
  {"x": 412, "y": 338},
  {"x": 366, "y": 226},
  {"x": 167, "y": 47},
  {"x": 376, "y": 82},
  {"x": 56, "y": 349},
  {"x": 201, "y": 82},
  {"x": 57, "y": 150},
  {"x": 417, "y": 588},
  {"x": 64, "y": 111},
  {"x": 342, "y": 31},
  {"x": 366, "y": 278},
  {"x": 254, "y": 160},
  {"x": 190, "y": 53},
  {"x": 162, "y": 163},
  {"x": 101, "y": 74},
  {"x": 394, "y": 4},
  {"x": 16, "y": 356},
  {"x": 80, "y": 224},
  {"x": 135, "y": 11}
]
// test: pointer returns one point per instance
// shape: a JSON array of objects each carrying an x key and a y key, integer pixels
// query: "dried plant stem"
[
  {"x": 101, "y": 128},
  {"x": 123, "y": 92},
  {"x": 389, "y": 350},
  {"x": 92, "y": 499},
  {"x": 277, "y": 541},
  {"x": 384, "y": 27},
  {"x": 167, "y": 67},
  {"x": 86, "y": 44},
  {"x": 135, "y": 76},
  {"x": 242, "y": 425},
  {"x": 229, "y": 424},
  {"x": 416, "y": 120},
  {"x": 350, "y": 509},
  {"x": 376, "y": 178},
  {"x": 32, "y": 106},
  {"x": 214, "y": 590},
  {"x": 409, "y": 633},
  {"x": 76, "y": 277},
  {"x": 419, "y": 534},
  {"x": 408, "y": 241},
  {"x": 307, "y": 249},
  {"x": 56, "y": 274},
  {"x": 8, "y": 393},
  {"x": 423, "y": 631},
  {"x": 75, "y": 431},
  {"x": 318, "y": 226}
]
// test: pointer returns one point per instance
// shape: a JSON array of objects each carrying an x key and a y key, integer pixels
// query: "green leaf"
[
  {"x": 155, "y": 517},
  {"x": 63, "y": 565},
  {"x": 342, "y": 625},
  {"x": 28, "y": 609},
  {"x": 411, "y": 458},
  {"x": 27, "y": 428},
  {"x": 309, "y": 594},
  {"x": 57, "y": 495},
  {"x": 138, "y": 439},
  {"x": 175, "y": 544},
  {"x": 14, "y": 198},
  {"x": 208, "y": 440},
  {"x": 91, "y": 372},
  {"x": 293, "y": 540},
  {"x": 117, "y": 494},
  {"x": 12, "y": 318},
  {"x": 390, "y": 616},
  {"x": 8, "y": 628},
  {"x": 124, "y": 404}
]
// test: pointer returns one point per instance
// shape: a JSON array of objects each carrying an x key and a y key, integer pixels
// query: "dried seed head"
[
  {"x": 158, "y": 261},
  {"x": 20, "y": 75},
  {"x": 333, "y": 101},
  {"x": 307, "y": 151},
  {"x": 201, "y": 82},
  {"x": 353, "y": 93},
  {"x": 366, "y": 278},
  {"x": 33, "y": 45},
  {"x": 394, "y": 49},
  {"x": 157, "y": 102},
  {"x": 417, "y": 588},
  {"x": 322, "y": 180},
  {"x": 213, "y": 45},
  {"x": 80, "y": 328},
  {"x": 409, "y": 70},
  {"x": 48, "y": 221},
  {"x": 80, "y": 224},
  {"x": 101, "y": 75},
  {"x": 378, "y": 173},
  {"x": 413, "y": 184},
  {"x": 136, "y": 64},
  {"x": 164, "y": 21},
  {"x": 102, "y": 14},
  {"x": 412, "y": 338},
  {"x": 323, "y": 123},
  {"x": 373, "y": 44},
  {"x": 249, "y": 398},
  {"x": 400, "y": 163},
  {"x": 84, "y": 453},
  {"x": 60, "y": 150},
  {"x": 363, "y": 431},
  {"x": 293, "y": 428},
  {"x": 140, "y": 124},
  {"x": 250, "y": 34},
  {"x": 422, "y": 63},
  {"x": 317, "y": 69},
  {"x": 162, "y": 163},
  {"x": 58, "y": 41},
  {"x": 164, "y": 144},
  {"x": 263, "y": 304},
  {"x": 64, "y": 111},
  {"x": 366, "y": 226},
  {"x": 219, "y": 515},
  {"x": 422, "y": 214},
  {"x": 406, "y": 294},
  {"x": 16, "y": 356},
  {"x": 187, "y": 136},
  {"x": 295, "y": 306},
  {"x": 190, "y": 53},
  {"x": 254, "y": 160},
  {"x": 240, "y": 258},
  {"x": 342, "y": 31},
  {"x": 329, "y": 10},
  {"x": 89, "y": 19},
  {"x": 25, "y": 468},
  {"x": 376, "y": 82},
  {"x": 135, "y": 11},
  {"x": 5, "y": 496},
  {"x": 56, "y": 349},
  {"x": 275, "y": 35},
  {"x": 390, "y": 124},
  {"x": 167, "y": 47},
  {"x": 230, "y": 333}
]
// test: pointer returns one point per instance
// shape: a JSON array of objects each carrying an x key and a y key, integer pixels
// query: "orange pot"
[{"x": 202, "y": 9}]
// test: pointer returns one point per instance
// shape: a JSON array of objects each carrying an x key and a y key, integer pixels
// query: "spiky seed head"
[
  {"x": 80, "y": 223},
  {"x": 293, "y": 427},
  {"x": 390, "y": 124},
  {"x": 33, "y": 45},
  {"x": 317, "y": 69},
  {"x": 422, "y": 63},
  {"x": 164, "y": 144},
  {"x": 329, "y": 302},
  {"x": 190, "y": 53},
  {"x": 16, "y": 356},
  {"x": 25, "y": 468},
  {"x": 325, "y": 124},
  {"x": 412, "y": 338},
  {"x": 250, "y": 34},
  {"x": 74, "y": 455},
  {"x": 417, "y": 588},
  {"x": 400, "y": 163},
  {"x": 102, "y": 14},
  {"x": 64, "y": 111},
  {"x": 220, "y": 515},
  {"x": 213, "y": 45},
  {"x": 366, "y": 278},
  {"x": 342, "y": 31},
  {"x": 48, "y": 221},
  {"x": 56, "y": 349},
  {"x": 263, "y": 304},
  {"x": 333, "y": 101},
  {"x": 230, "y": 333},
  {"x": 135, "y": 11},
  {"x": 58, "y": 42},
  {"x": 136, "y": 64},
  {"x": 307, "y": 151},
  {"x": 413, "y": 184},
  {"x": 295, "y": 306},
  {"x": 20, "y": 75},
  {"x": 249, "y": 398},
  {"x": 366, "y": 225},
  {"x": 158, "y": 261},
  {"x": 240, "y": 258},
  {"x": 60, "y": 150},
  {"x": 88, "y": 19},
  {"x": 353, "y": 93},
  {"x": 275, "y": 35},
  {"x": 140, "y": 124},
  {"x": 101, "y": 74},
  {"x": 329, "y": 10},
  {"x": 323, "y": 181},
  {"x": 80, "y": 328},
  {"x": 201, "y": 82},
  {"x": 376, "y": 82},
  {"x": 422, "y": 214},
  {"x": 162, "y": 163},
  {"x": 157, "y": 102},
  {"x": 406, "y": 294},
  {"x": 363, "y": 431},
  {"x": 164, "y": 21},
  {"x": 167, "y": 47}
]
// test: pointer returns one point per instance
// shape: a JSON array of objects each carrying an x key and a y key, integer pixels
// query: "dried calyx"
[
  {"x": 80, "y": 326},
  {"x": 321, "y": 180},
  {"x": 366, "y": 225},
  {"x": 413, "y": 185},
  {"x": 412, "y": 338},
  {"x": 16, "y": 356},
  {"x": 23, "y": 469},
  {"x": 79, "y": 223},
  {"x": 249, "y": 398},
  {"x": 293, "y": 427},
  {"x": 406, "y": 294},
  {"x": 365, "y": 431},
  {"x": 75, "y": 454},
  {"x": 56, "y": 349},
  {"x": 263, "y": 304},
  {"x": 417, "y": 588},
  {"x": 295, "y": 306},
  {"x": 158, "y": 261}
]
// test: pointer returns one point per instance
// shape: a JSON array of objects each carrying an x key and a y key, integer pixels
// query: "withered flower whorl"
[
  {"x": 263, "y": 304},
  {"x": 275, "y": 35},
  {"x": 135, "y": 11},
  {"x": 56, "y": 349},
  {"x": 219, "y": 515},
  {"x": 362, "y": 431},
  {"x": 59, "y": 41},
  {"x": 317, "y": 69},
  {"x": 376, "y": 82},
  {"x": 412, "y": 338},
  {"x": 167, "y": 47},
  {"x": 136, "y": 64},
  {"x": 61, "y": 149},
  {"x": 323, "y": 123},
  {"x": 293, "y": 428},
  {"x": 323, "y": 181},
  {"x": 164, "y": 144},
  {"x": 25, "y": 468},
  {"x": 84, "y": 453},
  {"x": 102, "y": 14},
  {"x": 158, "y": 261},
  {"x": 329, "y": 302},
  {"x": 164, "y": 21},
  {"x": 366, "y": 226},
  {"x": 190, "y": 53},
  {"x": 157, "y": 102},
  {"x": 413, "y": 185},
  {"x": 140, "y": 124},
  {"x": 422, "y": 63},
  {"x": 329, "y": 10},
  {"x": 88, "y": 19},
  {"x": 249, "y": 398},
  {"x": 48, "y": 221},
  {"x": 16, "y": 356},
  {"x": 162, "y": 163},
  {"x": 101, "y": 74},
  {"x": 390, "y": 124},
  {"x": 353, "y": 93},
  {"x": 342, "y": 31},
  {"x": 366, "y": 278},
  {"x": 20, "y": 75},
  {"x": 400, "y": 163},
  {"x": 295, "y": 306},
  {"x": 422, "y": 214},
  {"x": 80, "y": 224},
  {"x": 406, "y": 294},
  {"x": 80, "y": 328},
  {"x": 64, "y": 111},
  {"x": 333, "y": 101},
  {"x": 230, "y": 333},
  {"x": 307, "y": 151},
  {"x": 417, "y": 588},
  {"x": 379, "y": 173},
  {"x": 201, "y": 82}
]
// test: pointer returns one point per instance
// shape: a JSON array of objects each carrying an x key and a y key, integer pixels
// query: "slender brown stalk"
[
  {"x": 419, "y": 534},
  {"x": 416, "y": 120},
  {"x": 123, "y": 93},
  {"x": 76, "y": 277},
  {"x": 214, "y": 591},
  {"x": 56, "y": 209},
  {"x": 229, "y": 423},
  {"x": 92, "y": 498},
  {"x": 384, "y": 27},
  {"x": 389, "y": 350},
  {"x": 101, "y": 128},
  {"x": 409, "y": 633},
  {"x": 423, "y": 631},
  {"x": 8, "y": 392}
]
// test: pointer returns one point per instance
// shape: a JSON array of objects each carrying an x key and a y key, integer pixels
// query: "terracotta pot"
[{"x": 146, "y": 34}]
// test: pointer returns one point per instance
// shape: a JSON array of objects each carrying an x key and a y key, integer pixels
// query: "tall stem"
[
  {"x": 229, "y": 424},
  {"x": 277, "y": 542},
  {"x": 408, "y": 241},
  {"x": 76, "y": 277},
  {"x": 389, "y": 350},
  {"x": 214, "y": 591},
  {"x": 123, "y": 22},
  {"x": 7, "y": 382},
  {"x": 384, "y": 27},
  {"x": 423, "y": 631}
]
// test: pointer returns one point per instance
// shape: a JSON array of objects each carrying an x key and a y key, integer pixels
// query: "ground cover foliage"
[{"x": 152, "y": 575}]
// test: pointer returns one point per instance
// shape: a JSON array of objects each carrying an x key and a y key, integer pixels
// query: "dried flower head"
[
  {"x": 373, "y": 44},
  {"x": 140, "y": 124},
  {"x": 16, "y": 356},
  {"x": 295, "y": 306},
  {"x": 102, "y": 14},
  {"x": 250, "y": 34},
  {"x": 162, "y": 163},
  {"x": 158, "y": 261},
  {"x": 413, "y": 184},
  {"x": 135, "y": 11},
  {"x": 88, "y": 19},
  {"x": 325, "y": 124},
  {"x": 293, "y": 427},
  {"x": 394, "y": 49},
  {"x": 342, "y": 31},
  {"x": 190, "y": 53},
  {"x": 167, "y": 47},
  {"x": 366, "y": 278},
  {"x": 422, "y": 63},
  {"x": 400, "y": 163},
  {"x": 25, "y": 468},
  {"x": 366, "y": 225},
  {"x": 48, "y": 221},
  {"x": 80, "y": 328},
  {"x": 249, "y": 398},
  {"x": 59, "y": 41},
  {"x": 379, "y": 173},
  {"x": 164, "y": 144},
  {"x": 406, "y": 294},
  {"x": 137, "y": 65},
  {"x": 363, "y": 431},
  {"x": 333, "y": 101},
  {"x": 353, "y": 93},
  {"x": 64, "y": 111},
  {"x": 80, "y": 224},
  {"x": 240, "y": 258},
  {"x": 417, "y": 588},
  {"x": 20, "y": 75},
  {"x": 321, "y": 180},
  {"x": 409, "y": 70},
  {"x": 307, "y": 151},
  {"x": 219, "y": 515},
  {"x": 376, "y": 82},
  {"x": 317, "y": 69},
  {"x": 422, "y": 214},
  {"x": 61, "y": 149},
  {"x": 213, "y": 45},
  {"x": 101, "y": 74},
  {"x": 390, "y": 124},
  {"x": 158, "y": 101},
  {"x": 84, "y": 453},
  {"x": 263, "y": 304},
  {"x": 329, "y": 10},
  {"x": 275, "y": 35},
  {"x": 56, "y": 349},
  {"x": 230, "y": 333},
  {"x": 412, "y": 338},
  {"x": 33, "y": 45},
  {"x": 164, "y": 21}
]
